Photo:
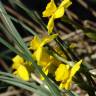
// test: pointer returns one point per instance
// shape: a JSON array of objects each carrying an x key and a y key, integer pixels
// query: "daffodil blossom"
[
  {"x": 20, "y": 69},
  {"x": 55, "y": 12},
  {"x": 40, "y": 52},
  {"x": 65, "y": 74}
]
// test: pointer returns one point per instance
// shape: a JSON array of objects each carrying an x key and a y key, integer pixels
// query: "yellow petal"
[
  {"x": 15, "y": 65},
  {"x": 50, "y": 25},
  {"x": 75, "y": 68},
  {"x": 61, "y": 86},
  {"x": 59, "y": 12},
  {"x": 37, "y": 54},
  {"x": 65, "y": 85},
  {"x": 62, "y": 72},
  {"x": 35, "y": 43},
  {"x": 65, "y": 3},
  {"x": 45, "y": 58},
  {"x": 42, "y": 57},
  {"x": 22, "y": 73},
  {"x": 50, "y": 9},
  {"x": 18, "y": 59},
  {"x": 48, "y": 39}
]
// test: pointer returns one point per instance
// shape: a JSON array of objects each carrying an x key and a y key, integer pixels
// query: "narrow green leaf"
[
  {"x": 33, "y": 14},
  {"x": 7, "y": 77},
  {"x": 24, "y": 25},
  {"x": 8, "y": 45},
  {"x": 22, "y": 6}
]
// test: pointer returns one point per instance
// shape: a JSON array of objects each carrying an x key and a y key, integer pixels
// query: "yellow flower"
[
  {"x": 17, "y": 60},
  {"x": 40, "y": 54},
  {"x": 22, "y": 73},
  {"x": 65, "y": 74},
  {"x": 55, "y": 12},
  {"x": 20, "y": 69}
]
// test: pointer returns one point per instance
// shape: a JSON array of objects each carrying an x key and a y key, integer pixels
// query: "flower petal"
[
  {"x": 35, "y": 43},
  {"x": 48, "y": 39},
  {"x": 22, "y": 73},
  {"x": 65, "y": 85},
  {"x": 75, "y": 68},
  {"x": 50, "y": 25},
  {"x": 59, "y": 12},
  {"x": 50, "y": 9},
  {"x": 42, "y": 57},
  {"x": 62, "y": 72},
  {"x": 65, "y": 3},
  {"x": 17, "y": 61}
]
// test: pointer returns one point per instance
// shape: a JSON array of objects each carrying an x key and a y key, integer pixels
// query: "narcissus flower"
[
  {"x": 65, "y": 74},
  {"x": 55, "y": 12},
  {"x": 40, "y": 53},
  {"x": 20, "y": 69}
]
